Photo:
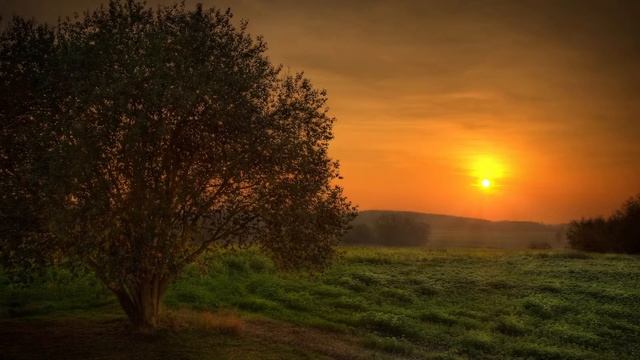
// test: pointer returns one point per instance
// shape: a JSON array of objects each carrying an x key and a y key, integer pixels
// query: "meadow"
[{"x": 372, "y": 303}]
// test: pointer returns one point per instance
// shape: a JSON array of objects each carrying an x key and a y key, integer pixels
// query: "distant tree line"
[
  {"x": 389, "y": 230},
  {"x": 619, "y": 233}
]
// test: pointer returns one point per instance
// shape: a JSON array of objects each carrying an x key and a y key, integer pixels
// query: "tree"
[
  {"x": 590, "y": 234},
  {"x": 134, "y": 141},
  {"x": 618, "y": 233},
  {"x": 626, "y": 224}
]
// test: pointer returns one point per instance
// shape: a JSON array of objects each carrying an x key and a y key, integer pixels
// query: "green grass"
[{"x": 478, "y": 304}]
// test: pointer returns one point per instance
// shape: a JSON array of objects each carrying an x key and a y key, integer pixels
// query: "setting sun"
[{"x": 485, "y": 170}]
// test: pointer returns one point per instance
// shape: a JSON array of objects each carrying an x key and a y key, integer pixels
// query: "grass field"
[{"x": 373, "y": 303}]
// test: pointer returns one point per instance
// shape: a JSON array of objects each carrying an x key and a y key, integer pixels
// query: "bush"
[{"x": 619, "y": 233}]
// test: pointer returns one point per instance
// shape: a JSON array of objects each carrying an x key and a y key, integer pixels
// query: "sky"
[{"x": 537, "y": 99}]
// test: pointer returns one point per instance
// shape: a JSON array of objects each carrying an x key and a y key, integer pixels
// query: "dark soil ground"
[{"x": 73, "y": 338}]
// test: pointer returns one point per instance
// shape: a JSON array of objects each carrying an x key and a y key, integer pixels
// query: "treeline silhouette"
[
  {"x": 389, "y": 229},
  {"x": 619, "y": 233},
  {"x": 372, "y": 227}
]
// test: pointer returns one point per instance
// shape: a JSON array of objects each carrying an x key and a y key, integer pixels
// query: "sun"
[{"x": 487, "y": 172}]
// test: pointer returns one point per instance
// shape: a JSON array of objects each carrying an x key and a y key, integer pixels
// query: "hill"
[{"x": 454, "y": 231}]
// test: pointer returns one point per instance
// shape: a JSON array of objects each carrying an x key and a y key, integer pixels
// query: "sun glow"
[{"x": 487, "y": 171}]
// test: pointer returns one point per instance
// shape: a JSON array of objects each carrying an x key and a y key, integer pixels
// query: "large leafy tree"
[{"x": 135, "y": 140}]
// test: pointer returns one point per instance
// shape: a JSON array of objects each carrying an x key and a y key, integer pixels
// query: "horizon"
[
  {"x": 541, "y": 95},
  {"x": 463, "y": 217}
]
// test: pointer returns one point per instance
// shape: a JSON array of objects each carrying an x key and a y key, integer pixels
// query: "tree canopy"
[{"x": 135, "y": 140}]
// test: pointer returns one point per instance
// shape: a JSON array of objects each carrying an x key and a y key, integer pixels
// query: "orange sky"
[{"x": 424, "y": 89}]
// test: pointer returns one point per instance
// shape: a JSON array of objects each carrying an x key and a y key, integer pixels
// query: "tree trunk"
[{"x": 141, "y": 302}]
